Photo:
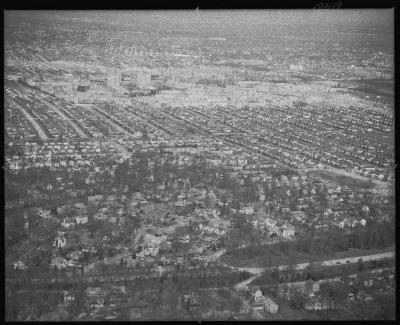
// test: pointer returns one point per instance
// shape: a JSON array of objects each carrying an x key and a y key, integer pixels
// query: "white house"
[
  {"x": 68, "y": 297},
  {"x": 60, "y": 242},
  {"x": 270, "y": 305},
  {"x": 247, "y": 210},
  {"x": 81, "y": 220},
  {"x": 67, "y": 223},
  {"x": 59, "y": 262},
  {"x": 288, "y": 231},
  {"x": 317, "y": 303},
  {"x": 45, "y": 214},
  {"x": 100, "y": 216},
  {"x": 264, "y": 303},
  {"x": 19, "y": 265}
]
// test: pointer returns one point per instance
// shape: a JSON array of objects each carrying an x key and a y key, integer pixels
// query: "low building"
[
  {"x": 270, "y": 305},
  {"x": 60, "y": 241},
  {"x": 81, "y": 220},
  {"x": 247, "y": 210},
  {"x": 59, "y": 262},
  {"x": 262, "y": 303},
  {"x": 191, "y": 300},
  {"x": 318, "y": 303},
  {"x": 94, "y": 292},
  {"x": 19, "y": 265},
  {"x": 68, "y": 296}
]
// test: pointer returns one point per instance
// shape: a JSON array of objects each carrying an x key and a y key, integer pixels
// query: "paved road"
[
  {"x": 213, "y": 256},
  {"x": 36, "y": 126},
  {"x": 345, "y": 173},
  {"x": 245, "y": 283},
  {"x": 116, "y": 258},
  {"x": 301, "y": 266},
  {"x": 128, "y": 276},
  {"x": 335, "y": 279}
]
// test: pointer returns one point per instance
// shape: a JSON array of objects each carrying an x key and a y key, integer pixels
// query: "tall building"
[
  {"x": 143, "y": 79},
  {"x": 114, "y": 79}
]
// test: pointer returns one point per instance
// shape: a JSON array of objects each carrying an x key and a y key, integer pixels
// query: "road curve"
[
  {"x": 301, "y": 266},
  {"x": 36, "y": 126}
]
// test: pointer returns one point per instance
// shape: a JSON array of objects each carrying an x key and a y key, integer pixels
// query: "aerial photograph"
[{"x": 195, "y": 165}]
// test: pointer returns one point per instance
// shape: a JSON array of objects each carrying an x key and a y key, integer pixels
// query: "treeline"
[
  {"x": 201, "y": 277},
  {"x": 148, "y": 170},
  {"x": 243, "y": 233},
  {"x": 374, "y": 235},
  {"x": 217, "y": 82},
  {"x": 143, "y": 172},
  {"x": 38, "y": 298},
  {"x": 317, "y": 272},
  {"x": 31, "y": 303}
]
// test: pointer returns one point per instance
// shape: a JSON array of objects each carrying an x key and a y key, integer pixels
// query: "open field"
[
  {"x": 268, "y": 256},
  {"x": 347, "y": 179}
]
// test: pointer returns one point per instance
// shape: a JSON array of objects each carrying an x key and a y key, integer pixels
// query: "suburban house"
[
  {"x": 68, "y": 296},
  {"x": 96, "y": 302},
  {"x": 288, "y": 231},
  {"x": 261, "y": 303},
  {"x": 19, "y": 265},
  {"x": 81, "y": 219},
  {"x": 94, "y": 292},
  {"x": 318, "y": 303},
  {"x": 45, "y": 214},
  {"x": 60, "y": 241},
  {"x": 80, "y": 208},
  {"x": 68, "y": 223},
  {"x": 191, "y": 300},
  {"x": 59, "y": 262},
  {"x": 270, "y": 305},
  {"x": 247, "y": 210}
]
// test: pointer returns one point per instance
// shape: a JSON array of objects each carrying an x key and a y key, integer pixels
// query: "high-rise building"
[
  {"x": 143, "y": 79},
  {"x": 114, "y": 79}
]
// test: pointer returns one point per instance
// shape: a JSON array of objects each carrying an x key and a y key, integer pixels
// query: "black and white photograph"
[{"x": 199, "y": 165}]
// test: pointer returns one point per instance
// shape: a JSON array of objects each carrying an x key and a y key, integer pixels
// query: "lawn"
[
  {"x": 320, "y": 272},
  {"x": 342, "y": 180},
  {"x": 271, "y": 255}
]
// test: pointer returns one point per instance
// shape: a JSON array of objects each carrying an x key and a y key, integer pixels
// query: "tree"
[
  {"x": 360, "y": 265},
  {"x": 297, "y": 299}
]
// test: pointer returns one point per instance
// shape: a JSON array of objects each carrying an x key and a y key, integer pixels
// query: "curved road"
[
  {"x": 36, "y": 126},
  {"x": 301, "y": 266}
]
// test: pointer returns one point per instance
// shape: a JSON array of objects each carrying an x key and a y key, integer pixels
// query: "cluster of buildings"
[
  {"x": 80, "y": 124},
  {"x": 279, "y": 134},
  {"x": 257, "y": 300}
]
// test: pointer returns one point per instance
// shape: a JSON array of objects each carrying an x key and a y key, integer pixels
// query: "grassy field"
[
  {"x": 342, "y": 180},
  {"x": 320, "y": 272},
  {"x": 271, "y": 255}
]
